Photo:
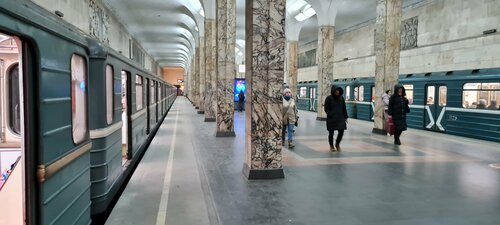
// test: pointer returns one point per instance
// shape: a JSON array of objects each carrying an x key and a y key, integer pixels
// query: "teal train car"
[
  {"x": 463, "y": 103},
  {"x": 80, "y": 116}
]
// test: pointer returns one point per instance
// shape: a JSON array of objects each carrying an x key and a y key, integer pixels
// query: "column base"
[
  {"x": 210, "y": 120},
  {"x": 201, "y": 112},
  {"x": 320, "y": 118},
  {"x": 379, "y": 131},
  {"x": 196, "y": 107},
  {"x": 262, "y": 174},
  {"x": 225, "y": 134}
]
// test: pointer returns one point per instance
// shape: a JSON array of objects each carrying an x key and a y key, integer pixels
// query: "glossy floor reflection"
[{"x": 431, "y": 179}]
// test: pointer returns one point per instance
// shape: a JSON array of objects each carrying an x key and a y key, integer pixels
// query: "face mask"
[{"x": 287, "y": 98}]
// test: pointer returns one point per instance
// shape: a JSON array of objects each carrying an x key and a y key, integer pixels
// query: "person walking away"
[
  {"x": 398, "y": 108},
  {"x": 289, "y": 113},
  {"x": 336, "y": 116},
  {"x": 241, "y": 101}
]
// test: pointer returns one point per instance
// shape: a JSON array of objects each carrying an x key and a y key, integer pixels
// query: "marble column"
[
  {"x": 226, "y": 41},
  {"x": 387, "y": 49},
  {"x": 196, "y": 77},
  {"x": 210, "y": 53},
  {"x": 202, "y": 95},
  {"x": 292, "y": 65},
  {"x": 265, "y": 59},
  {"x": 324, "y": 57}
]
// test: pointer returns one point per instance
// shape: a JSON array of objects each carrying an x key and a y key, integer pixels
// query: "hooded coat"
[
  {"x": 336, "y": 112},
  {"x": 398, "y": 108}
]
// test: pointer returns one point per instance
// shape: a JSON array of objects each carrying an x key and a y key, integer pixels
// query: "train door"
[
  {"x": 126, "y": 111},
  {"x": 17, "y": 182},
  {"x": 312, "y": 99},
  {"x": 435, "y": 107}
]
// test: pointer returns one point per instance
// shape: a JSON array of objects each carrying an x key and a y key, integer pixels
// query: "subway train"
[
  {"x": 463, "y": 103},
  {"x": 76, "y": 118}
]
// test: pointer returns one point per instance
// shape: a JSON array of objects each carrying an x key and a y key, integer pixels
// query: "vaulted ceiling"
[{"x": 169, "y": 29}]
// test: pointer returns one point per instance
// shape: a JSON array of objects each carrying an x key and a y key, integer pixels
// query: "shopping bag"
[{"x": 389, "y": 126}]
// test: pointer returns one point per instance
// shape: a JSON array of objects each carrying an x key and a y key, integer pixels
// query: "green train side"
[
  {"x": 67, "y": 181},
  {"x": 451, "y": 115}
]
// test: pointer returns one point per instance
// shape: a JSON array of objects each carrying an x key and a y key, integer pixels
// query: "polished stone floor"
[{"x": 188, "y": 176}]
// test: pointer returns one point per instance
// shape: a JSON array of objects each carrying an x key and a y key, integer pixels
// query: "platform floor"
[{"x": 190, "y": 177}]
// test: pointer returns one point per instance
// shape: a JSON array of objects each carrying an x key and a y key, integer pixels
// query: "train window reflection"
[
  {"x": 361, "y": 92},
  {"x": 14, "y": 103},
  {"x": 348, "y": 93},
  {"x": 109, "y": 94},
  {"x": 442, "y": 95},
  {"x": 79, "y": 98}
]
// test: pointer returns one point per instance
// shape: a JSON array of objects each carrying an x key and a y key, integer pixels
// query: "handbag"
[{"x": 389, "y": 126}]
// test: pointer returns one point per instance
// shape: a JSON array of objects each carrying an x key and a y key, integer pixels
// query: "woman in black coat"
[
  {"x": 336, "y": 116},
  {"x": 398, "y": 108}
]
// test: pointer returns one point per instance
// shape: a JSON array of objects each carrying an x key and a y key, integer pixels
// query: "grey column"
[
  {"x": 265, "y": 59},
  {"x": 387, "y": 48},
  {"x": 202, "y": 77},
  {"x": 292, "y": 65},
  {"x": 226, "y": 31},
  {"x": 324, "y": 56},
  {"x": 210, "y": 53}
]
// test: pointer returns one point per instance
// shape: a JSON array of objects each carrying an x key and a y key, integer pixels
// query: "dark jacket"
[
  {"x": 336, "y": 112},
  {"x": 398, "y": 108}
]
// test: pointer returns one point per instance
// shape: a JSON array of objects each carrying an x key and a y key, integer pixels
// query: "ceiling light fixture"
[
  {"x": 196, "y": 28},
  {"x": 305, "y": 13}
]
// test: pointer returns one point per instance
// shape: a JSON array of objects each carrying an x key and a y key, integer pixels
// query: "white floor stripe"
[{"x": 162, "y": 210}]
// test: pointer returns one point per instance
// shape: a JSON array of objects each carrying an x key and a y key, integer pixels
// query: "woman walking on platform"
[
  {"x": 398, "y": 108},
  {"x": 290, "y": 115},
  {"x": 336, "y": 116}
]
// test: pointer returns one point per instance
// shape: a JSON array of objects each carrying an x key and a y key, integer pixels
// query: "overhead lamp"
[
  {"x": 305, "y": 13},
  {"x": 237, "y": 49},
  {"x": 196, "y": 28},
  {"x": 240, "y": 53},
  {"x": 202, "y": 13}
]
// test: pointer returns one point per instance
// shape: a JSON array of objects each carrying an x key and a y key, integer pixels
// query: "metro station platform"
[{"x": 190, "y": 177}]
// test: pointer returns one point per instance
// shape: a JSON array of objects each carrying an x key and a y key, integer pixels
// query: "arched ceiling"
[
  {"x": 169, "y": 29},
  {"x": 163, "y": 27}
]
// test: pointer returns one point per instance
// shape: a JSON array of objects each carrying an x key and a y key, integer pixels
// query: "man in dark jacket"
[
  {"x": 398, "y": 108},
  {"x": 336, "y": 119}
]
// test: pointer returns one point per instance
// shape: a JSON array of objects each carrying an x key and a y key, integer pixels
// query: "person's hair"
[{"x": 387, "y": 92}]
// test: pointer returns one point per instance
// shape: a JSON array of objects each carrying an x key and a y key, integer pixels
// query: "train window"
[
  {"x": 312, "y": 93},
  {"x": 348, "y": 93},
  {"x": 158, "y": 92},
  {"x": 303, "y": 92},
  {"x": 14, "y": 101},
  {"x": 431, "y": 91},
  {"x": 361, "y": 92},
  {"x": 442, "y": 95},
  {"x": 152, "y": 93},
  {"x": 109, "y": 94},
  {"x": 481, "y": 95},
  {"x": 356, "y": 92},
  {"x": 409, "y": 92},
  {"x": 138, "y": 92},
  {"x": 79, "y": 98},
  {"x": 373, "y": 93}
]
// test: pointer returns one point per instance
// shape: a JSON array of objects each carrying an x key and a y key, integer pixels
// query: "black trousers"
[
  {"x": 339, "y": 137},
  {"x": 397, "y": 134}
]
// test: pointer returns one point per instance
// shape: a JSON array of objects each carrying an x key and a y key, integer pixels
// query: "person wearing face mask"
[
  {"x": 289, "y": 113},
  {"x": 336, "y": 116},
  {"x": 398, "y": 108}
]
